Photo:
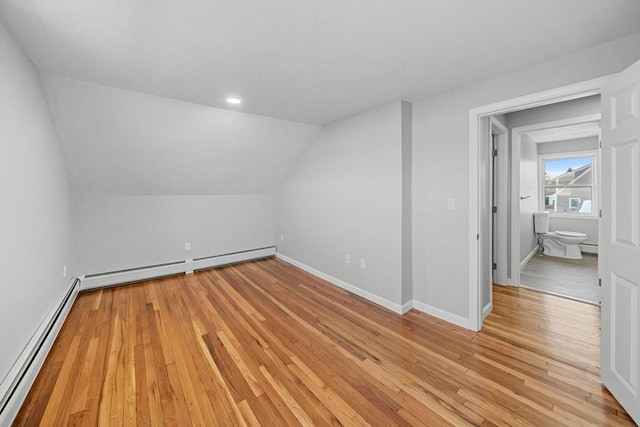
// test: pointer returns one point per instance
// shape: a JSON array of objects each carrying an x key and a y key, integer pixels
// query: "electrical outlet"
[
  {"x": 347, "y": 259},
  {"x": 362, "y": 263},
  {"x": 282, "y": 237},
  {"x": 64, "y": 270},
  {"x": 187, "y": 246}
]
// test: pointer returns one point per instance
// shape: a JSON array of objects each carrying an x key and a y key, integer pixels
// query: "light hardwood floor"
[
  {"x": 264, "y": 343},
  {"x": 573, "y": 278}
]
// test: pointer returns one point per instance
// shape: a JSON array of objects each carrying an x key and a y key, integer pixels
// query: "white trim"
[
  {"x": 525, "y": 261},
  {"x": 406, "y": 307},
  {"x": 502, "y": 197},
  {"x": 516, "y": 154},
  {"x": 186, "y": 267},
  {"x": 487, "y": 309},
  {"x": 34, "y": 354},
  {"x": 589, "y": 249},
  {"x": 396, "y": 308},
  {"x": 442, "y": 314},
  {"x": 579, "y": 90}
]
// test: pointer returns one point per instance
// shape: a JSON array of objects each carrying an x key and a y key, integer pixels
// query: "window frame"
[{"x": 594, "y": 154}]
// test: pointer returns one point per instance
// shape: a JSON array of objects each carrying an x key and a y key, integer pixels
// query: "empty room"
[{"x": 274, "y": 213}]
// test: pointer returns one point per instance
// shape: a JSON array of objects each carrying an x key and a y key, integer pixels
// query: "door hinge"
[
  {"x": 600, "y": 282},
  {"x": 478, "y": 236},
  {"x": 495, "y": 266},
  {"x": 600, "y": 143},
  {"x": 600, "y": 213},
  {"x": 495, "y": 153},
  {"x": 495, "y": 209}
]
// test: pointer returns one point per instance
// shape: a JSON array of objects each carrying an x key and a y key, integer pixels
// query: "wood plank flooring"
[
  {"x": 573, "y": 278},
  {"x": 264, "y": 343}
]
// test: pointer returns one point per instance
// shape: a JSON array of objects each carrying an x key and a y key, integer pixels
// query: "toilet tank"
[{"x": 541, "y": 222}]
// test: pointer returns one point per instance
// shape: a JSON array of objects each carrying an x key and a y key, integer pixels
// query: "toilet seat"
[
  {"x": 570, "y": 234},
  {"x": 565, "y": 244}
]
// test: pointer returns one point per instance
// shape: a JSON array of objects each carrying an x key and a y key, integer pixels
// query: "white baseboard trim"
[
  {"x": 396, "y": 308},
  {"x": 486, "y": 310},
  {"x": 16, "y": 385},
  {"x": 406, "y": 307},
  {"x": 589, "y": 249},
  {"x": 188, "y": 266},
  {"x": 528, "y": 258},
  {"x": 442, "y": 314}
]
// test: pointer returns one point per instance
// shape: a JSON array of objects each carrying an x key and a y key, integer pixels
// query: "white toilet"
[{"x": 565, "y": 244}]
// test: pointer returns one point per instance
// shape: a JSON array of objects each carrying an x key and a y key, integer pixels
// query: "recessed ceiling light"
[{"x": 234, "y": 101}]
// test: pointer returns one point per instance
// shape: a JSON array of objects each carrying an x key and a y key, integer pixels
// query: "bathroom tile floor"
[{"x": 571, "y": 278}]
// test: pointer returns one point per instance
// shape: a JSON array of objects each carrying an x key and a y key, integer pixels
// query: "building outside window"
[{"x": 568, "y": 183}]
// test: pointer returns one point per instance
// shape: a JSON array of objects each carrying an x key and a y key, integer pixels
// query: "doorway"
[
  {"x": 479, "y": 210},
  {"x": 619, "y": 248},
  {"x": 554, "y": 164}
]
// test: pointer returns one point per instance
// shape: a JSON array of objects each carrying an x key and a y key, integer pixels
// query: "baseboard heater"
[
  {"x": 18, "y": 381},
  {"x": 138, "y": 274},
  {"x": 589, "y": 248}
]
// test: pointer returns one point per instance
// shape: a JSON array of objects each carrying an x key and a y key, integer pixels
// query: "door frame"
[
  {"x": 516, "y": 141},
  {"x": 501, "y": 201},
  {"x": 476, "y": 240}
]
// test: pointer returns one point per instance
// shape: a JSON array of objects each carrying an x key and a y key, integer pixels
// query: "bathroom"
[{"x": 554, "y": 156}]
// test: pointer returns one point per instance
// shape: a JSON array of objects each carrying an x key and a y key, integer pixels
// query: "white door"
[
  {"x": 486, "y": 230},
  {"x": 620, "y": 238}
]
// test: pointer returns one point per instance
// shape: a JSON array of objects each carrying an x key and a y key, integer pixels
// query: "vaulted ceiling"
[{"x": 306, "y": 61}]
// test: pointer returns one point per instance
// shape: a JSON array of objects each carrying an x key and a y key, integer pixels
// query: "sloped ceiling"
[
  {"x": 306, "y": 61},
  {"x": 123, "y": 142}
]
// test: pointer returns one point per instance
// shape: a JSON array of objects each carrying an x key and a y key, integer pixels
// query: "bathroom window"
[{"x": 568, "y": 184}]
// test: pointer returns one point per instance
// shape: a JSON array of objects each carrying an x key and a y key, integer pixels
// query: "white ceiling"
[
  {"x": 306, "y": 61},
  {"x": 584, "y": 130}
]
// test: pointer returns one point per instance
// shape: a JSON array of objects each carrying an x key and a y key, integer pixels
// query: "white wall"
[
  {"x": 572, "y": 145},
  {"x": 344, "y": 196},
  {"x": 116, "y": 232},
  {"x": 559, "y": 111},
  {"x": 35, "y": 220},
  {"x": 440, "y": 165},
  {"x": 588, "y": 226},
  {"x": 151, "y": 173},
  {"x": 528, "y": 188},
  {"x": 407, "y": 247}
]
